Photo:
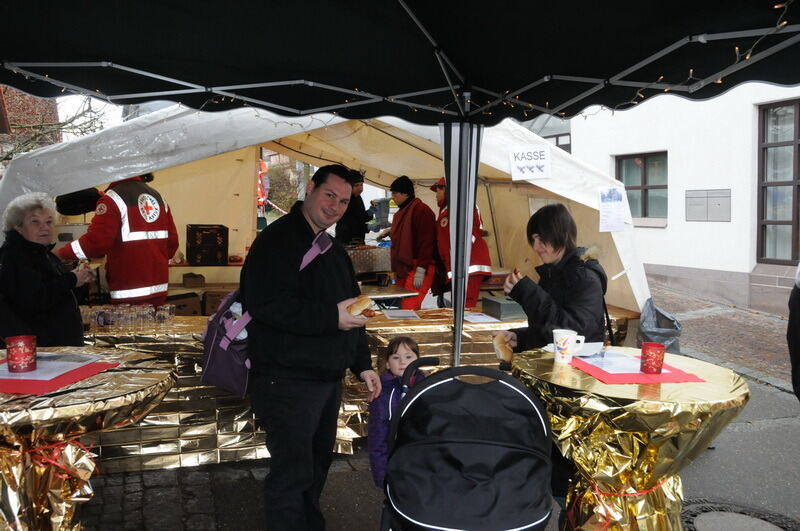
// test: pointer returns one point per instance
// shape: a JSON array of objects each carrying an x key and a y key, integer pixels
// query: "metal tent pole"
[{"x": 461, "y": 146}]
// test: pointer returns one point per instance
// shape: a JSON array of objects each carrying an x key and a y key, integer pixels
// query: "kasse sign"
[{"x": 530, "y": 162}]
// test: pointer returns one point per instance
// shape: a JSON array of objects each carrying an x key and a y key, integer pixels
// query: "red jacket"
[
  {"x": 413, "y": 237},
  {"x": 133, "y": 226},
  {"x": 480, "y": 262}
]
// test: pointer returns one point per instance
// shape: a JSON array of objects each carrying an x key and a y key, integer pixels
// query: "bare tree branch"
[{"x": 83, "y": 122}]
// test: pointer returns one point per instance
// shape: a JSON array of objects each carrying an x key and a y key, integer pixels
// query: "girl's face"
[{"x": 401, "y": 358}]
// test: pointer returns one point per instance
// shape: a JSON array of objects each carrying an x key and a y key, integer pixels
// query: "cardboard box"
[
  {"x": 185, "y": 303},
  {"x": 211, "y": 300},
  {"x": 501, "y": 307},
  {"x": 193, "y": 280}
]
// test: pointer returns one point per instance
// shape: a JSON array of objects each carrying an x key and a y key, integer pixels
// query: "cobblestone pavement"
[
  {"x": 750, "y": 342},
  {"x": 229, "y": 496},
  {"x": 222, "y": 497}
]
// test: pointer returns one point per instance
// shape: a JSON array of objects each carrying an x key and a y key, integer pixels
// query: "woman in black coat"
[
  {"x": 571, "y": 284},
  {"x": 35, "y": 290},
  {"x": 569, "y": 295}
]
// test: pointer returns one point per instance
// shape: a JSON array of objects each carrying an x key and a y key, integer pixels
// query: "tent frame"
[{"x": 510, "y": 98}]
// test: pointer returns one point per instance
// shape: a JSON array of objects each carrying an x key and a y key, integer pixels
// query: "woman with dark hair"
[
  {"x": 571, "y": 284},
  {"x": 34, "y": 286},
  {"x": 569, "y": 295}
]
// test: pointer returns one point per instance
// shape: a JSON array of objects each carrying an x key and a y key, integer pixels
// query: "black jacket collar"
[{"x": 15, "y": 239}]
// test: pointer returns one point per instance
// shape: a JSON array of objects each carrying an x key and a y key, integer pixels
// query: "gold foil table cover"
[
  {"x": 195, "y": 424},
  {"x": 44, "y": 473},
  {"x": 629, "y": 442},
  {"x": 183, "y": 329},
  {"x": 199, "y": 424},
  {"x": 433, "y": 332}
]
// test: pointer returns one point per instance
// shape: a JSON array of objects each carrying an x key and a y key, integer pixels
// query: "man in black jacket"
[
  {"x": 353, "y": 225},
  {"x": 297, "y": 283}
]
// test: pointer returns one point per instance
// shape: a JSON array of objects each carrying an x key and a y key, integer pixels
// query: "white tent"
[{"x": 383, "y": 148}]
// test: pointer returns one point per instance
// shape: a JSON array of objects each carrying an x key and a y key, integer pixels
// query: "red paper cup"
[
  {"x": 21, "y": 353},
  {"x": 652, "y": 357}
]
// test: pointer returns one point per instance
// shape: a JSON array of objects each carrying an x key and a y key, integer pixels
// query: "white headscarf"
[{"x": 797, "y": 276}]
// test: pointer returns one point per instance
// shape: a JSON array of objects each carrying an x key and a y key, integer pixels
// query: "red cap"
[{"x": 440, "y": 182}]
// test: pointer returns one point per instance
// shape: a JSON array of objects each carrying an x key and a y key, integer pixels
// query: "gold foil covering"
[
  {"x": 44, "y": 472},
  {"x": 183, "y": 329},
  {"x": 629, "y": 442},
  {"x": 195, "y": 424},
  {"x": 199, "y": 424}
]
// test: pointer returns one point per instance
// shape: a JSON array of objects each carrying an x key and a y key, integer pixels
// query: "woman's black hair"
[
  {"x": 395, "y": 343},
  {"x": 554, "y": 225}
]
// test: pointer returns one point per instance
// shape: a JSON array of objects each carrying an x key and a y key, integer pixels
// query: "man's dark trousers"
[
  {"x": 793, "y": 338},
  {"x": 300, "y": 418}
]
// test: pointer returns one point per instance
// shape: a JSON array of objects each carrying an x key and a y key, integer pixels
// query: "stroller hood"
[{"x": 471, "y": 451}]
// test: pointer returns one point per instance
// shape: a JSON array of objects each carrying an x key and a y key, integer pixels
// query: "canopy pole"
[{"x": 461, "y": 143}]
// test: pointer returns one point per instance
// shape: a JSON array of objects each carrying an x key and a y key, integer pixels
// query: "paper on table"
[
  {"x": 400, "y": 314},
  {"x": 588, "y": 349},
  {"x": 49, "y": 366},
  {"x": 616, "y": 362},
  {"x": 480, "y": 318}
]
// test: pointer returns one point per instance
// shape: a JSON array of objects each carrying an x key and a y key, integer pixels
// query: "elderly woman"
[
  {"x": 35, "y": 289},
  {"x": 571, "y": 284}
]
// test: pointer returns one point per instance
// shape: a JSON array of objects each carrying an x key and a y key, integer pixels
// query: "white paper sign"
[
  {"x": 530, "y": 162},
  {"x": 612, "y": 211}
]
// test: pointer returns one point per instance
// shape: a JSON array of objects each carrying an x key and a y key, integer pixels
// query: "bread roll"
[
  {"x": 502, "y": 349},
  {"x": 361, "y": 303}
]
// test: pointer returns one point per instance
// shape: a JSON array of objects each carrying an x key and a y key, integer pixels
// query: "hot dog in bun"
[
  {"x": 503, "y": 351},
  {"x": 361, "y": 306}
]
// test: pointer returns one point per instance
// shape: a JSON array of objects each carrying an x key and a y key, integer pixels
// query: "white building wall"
[{"x": 710, "y": 144}]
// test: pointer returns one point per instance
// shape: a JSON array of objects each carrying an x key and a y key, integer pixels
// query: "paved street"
[{"x": 749, "y": 481}]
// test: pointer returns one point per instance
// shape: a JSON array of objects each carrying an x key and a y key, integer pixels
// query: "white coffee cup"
[{"x": 565, "y": 344}]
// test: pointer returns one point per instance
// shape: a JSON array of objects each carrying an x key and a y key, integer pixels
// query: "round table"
[
  {"x": 629, "y": 441},
  {"x": 44, "y": 471}
]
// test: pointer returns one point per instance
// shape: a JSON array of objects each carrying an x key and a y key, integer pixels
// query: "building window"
[
  {"x": 564, "y": 141},
  {"x": 778, "y": 182},
  {"x": 645, "y": 180}
]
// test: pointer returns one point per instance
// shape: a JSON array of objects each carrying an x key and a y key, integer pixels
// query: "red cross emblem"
[{"x": 148, "y": 207}]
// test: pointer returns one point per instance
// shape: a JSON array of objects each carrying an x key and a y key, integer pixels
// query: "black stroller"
[{"x": 470, "y": 450}]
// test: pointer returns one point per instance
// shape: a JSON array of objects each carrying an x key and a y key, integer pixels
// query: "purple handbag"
[{"x": 225, "y": 360}]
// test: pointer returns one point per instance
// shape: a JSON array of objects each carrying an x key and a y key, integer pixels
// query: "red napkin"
[
  {"x": 42, "y": 387},
  {"x": 674, "y": 376}
]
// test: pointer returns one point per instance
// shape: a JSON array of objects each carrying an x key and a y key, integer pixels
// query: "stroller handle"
[{"x": 427, "y": 361}]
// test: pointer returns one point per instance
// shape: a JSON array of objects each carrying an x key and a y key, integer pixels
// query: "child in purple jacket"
[{"x": 400, "y": 353}]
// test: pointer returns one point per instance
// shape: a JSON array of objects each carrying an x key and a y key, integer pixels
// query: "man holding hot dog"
[{"x": 297, "y": 284}]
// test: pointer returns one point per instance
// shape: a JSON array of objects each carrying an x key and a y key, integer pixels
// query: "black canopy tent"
[{"x": 464, "y": 65}]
